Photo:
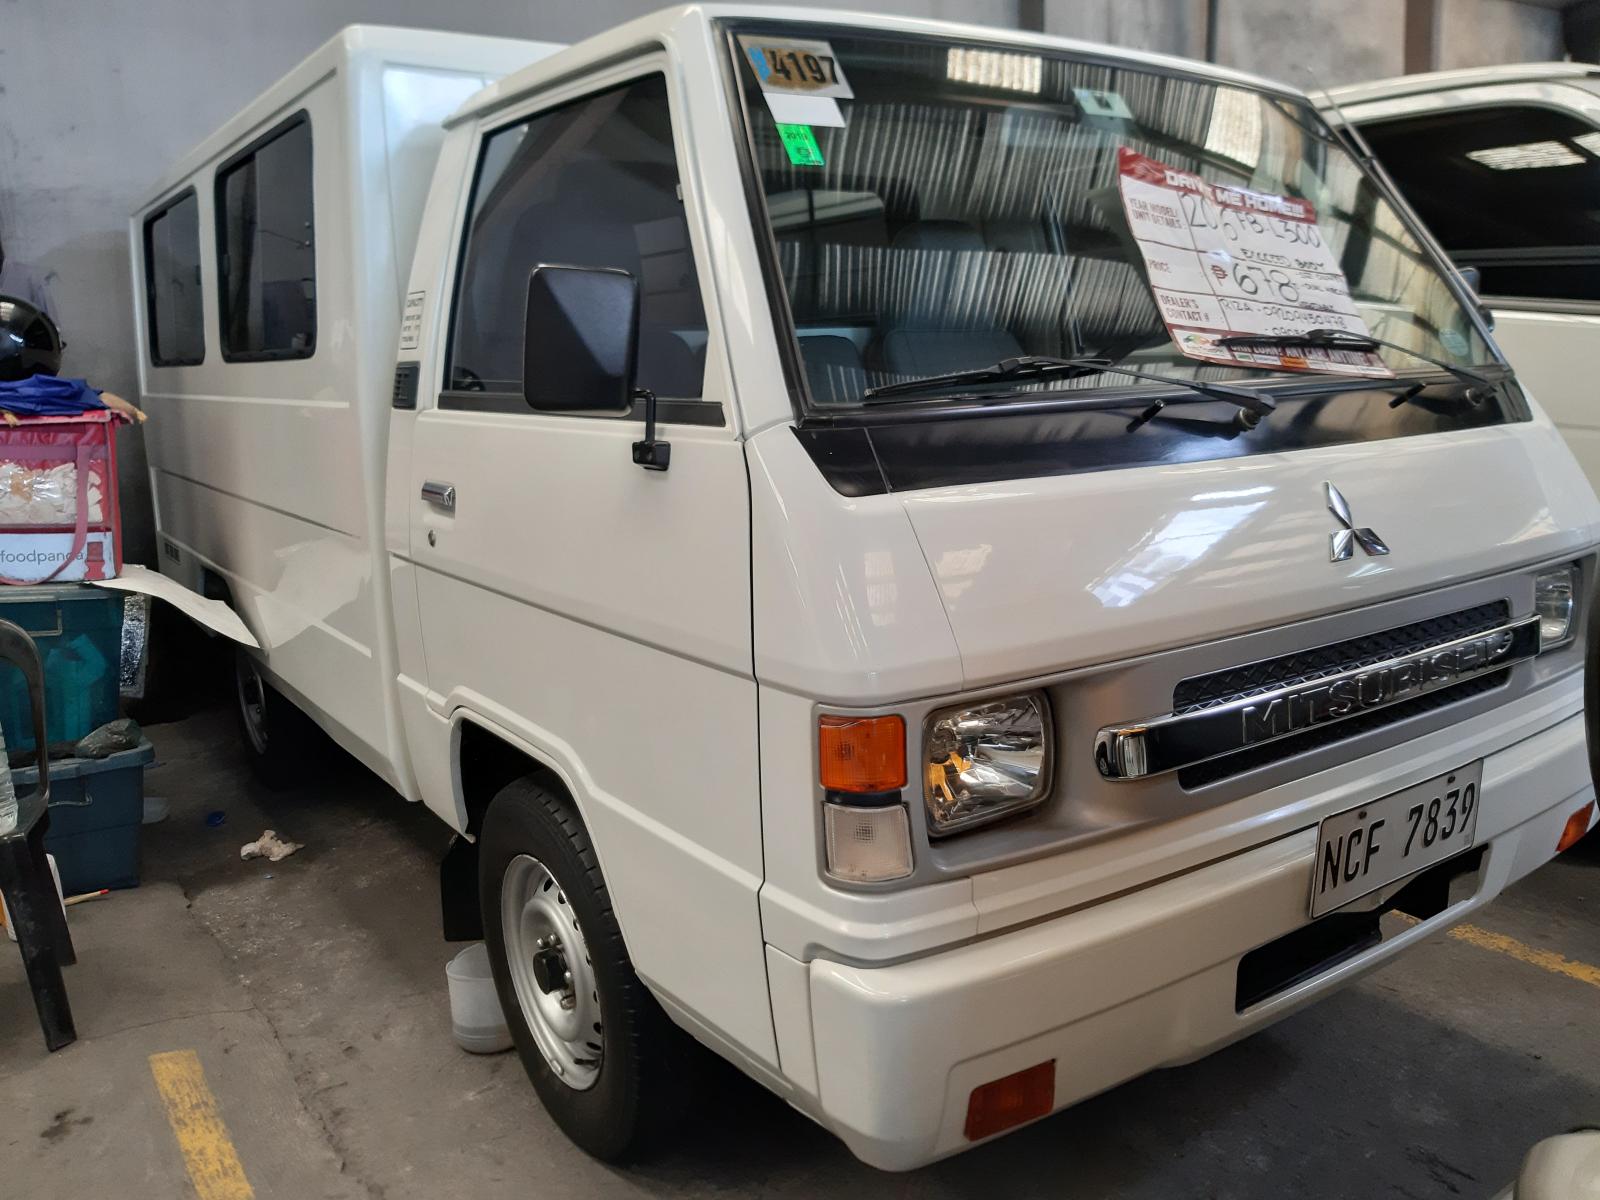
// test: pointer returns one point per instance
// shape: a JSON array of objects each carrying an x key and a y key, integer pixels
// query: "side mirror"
[
  {"x": 1473, "y": 278},
  {"x": 580, "y": 345},
  {"x": 579, "y": 339}
]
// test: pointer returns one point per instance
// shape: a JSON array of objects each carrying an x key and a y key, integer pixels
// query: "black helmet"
[{"x": 30, "y": 343}]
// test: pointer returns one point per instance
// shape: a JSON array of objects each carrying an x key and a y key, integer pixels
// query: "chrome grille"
[{"x": 1304, "y": 666}]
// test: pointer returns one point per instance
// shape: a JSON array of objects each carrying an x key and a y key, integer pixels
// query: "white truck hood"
[
  {"x": 1048, "y": 574},
  {"x": 878, "y": 598}
]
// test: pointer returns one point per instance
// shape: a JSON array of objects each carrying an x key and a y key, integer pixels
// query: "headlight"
[
  {"x": 986, "y": 761},
  {"x": 1553, "y": 595}
]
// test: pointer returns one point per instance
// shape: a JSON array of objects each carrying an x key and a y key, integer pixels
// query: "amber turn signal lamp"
[
  {"x": 1577, "y": 826},
  {"x": 862, "y": 754},
  {"x": 1001, "y": 1104}
]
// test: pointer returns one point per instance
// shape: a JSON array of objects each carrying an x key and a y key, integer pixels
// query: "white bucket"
[{"x": 476, "y": 1019}]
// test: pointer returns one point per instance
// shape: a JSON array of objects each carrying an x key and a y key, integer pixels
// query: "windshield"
[{"x": 938, "y": 207}]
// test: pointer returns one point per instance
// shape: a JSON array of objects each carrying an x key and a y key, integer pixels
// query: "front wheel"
[{"x": 596, "y": 1045}]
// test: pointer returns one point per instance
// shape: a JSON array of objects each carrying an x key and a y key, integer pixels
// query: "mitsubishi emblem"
[{"x": 1342, "y": 542}]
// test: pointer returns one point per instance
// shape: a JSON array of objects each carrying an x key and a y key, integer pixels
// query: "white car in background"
[{"x": 1503, "y": 165}]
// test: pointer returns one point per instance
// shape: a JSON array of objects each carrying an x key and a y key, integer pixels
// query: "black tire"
[
  {"x": 283, "y": 745},
  {"x": 624, "y": 1111}
]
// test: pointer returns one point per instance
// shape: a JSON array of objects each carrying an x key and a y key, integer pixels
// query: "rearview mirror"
[{"x": 580, "y": 339}]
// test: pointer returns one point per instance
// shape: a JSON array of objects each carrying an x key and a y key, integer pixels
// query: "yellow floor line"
[
  {"x": 208, "y": 1151},
  {"x": 1546, "y": 960}
]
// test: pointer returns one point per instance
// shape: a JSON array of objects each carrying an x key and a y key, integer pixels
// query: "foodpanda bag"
[{"x": 59, "y": 519}]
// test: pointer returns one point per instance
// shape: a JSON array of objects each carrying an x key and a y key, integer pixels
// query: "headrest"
[{"x": 938, "y": 235}]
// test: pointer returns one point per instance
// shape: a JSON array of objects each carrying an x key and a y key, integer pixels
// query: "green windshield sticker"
[{"x": 801, "y": 144}]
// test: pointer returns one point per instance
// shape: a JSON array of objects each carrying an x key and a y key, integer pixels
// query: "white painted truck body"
[
  {"x": 665, "y": 641},
  {"x": 1550, "y": 340}
]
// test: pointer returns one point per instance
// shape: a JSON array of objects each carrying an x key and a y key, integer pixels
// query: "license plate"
[{"x": 1362, "y": 849}]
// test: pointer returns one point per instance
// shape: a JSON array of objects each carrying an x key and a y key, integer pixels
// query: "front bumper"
[{"x": 1113, "y": 989}]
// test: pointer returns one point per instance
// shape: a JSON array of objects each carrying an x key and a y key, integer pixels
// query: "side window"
[
  {"x": 266, "y": 248},
  {"x": 593, "y": 184},
  {"x": 1509, "y": 190},
  {"x": 173, "y": 309}
]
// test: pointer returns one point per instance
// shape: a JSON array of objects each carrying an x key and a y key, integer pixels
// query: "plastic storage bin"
[
  {"x": 78, "y": 630},
  {"x": 96, "y": 813}
]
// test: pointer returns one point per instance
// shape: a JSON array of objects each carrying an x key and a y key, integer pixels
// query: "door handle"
[{"x": 441, "y": 494}]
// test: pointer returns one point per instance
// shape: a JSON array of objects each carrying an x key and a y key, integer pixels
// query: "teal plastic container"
[
  {"x": 78, "y": 629},
  {"x": 96, "y": 815}
]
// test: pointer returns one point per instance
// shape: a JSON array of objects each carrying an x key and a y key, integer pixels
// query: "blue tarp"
[{"x": 48, "y": 396}]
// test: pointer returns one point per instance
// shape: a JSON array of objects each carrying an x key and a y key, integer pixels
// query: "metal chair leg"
[
  {"x": 30, "y": 896},
  {"x": 55, "y": 916}
]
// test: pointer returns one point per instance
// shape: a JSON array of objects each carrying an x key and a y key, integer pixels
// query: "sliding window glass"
[
  {"x": 266, "y": 247},
  {"x": 173, "y": 310}
]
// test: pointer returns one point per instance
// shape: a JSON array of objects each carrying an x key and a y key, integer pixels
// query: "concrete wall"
[
  {"x": 1313, "y": 43},
  {"x": 1169, "y": 26},
  {"x": 97, "y": 98},
  {"x": 1326, "y": 41},
  {"x": 1481, "y": 33}
]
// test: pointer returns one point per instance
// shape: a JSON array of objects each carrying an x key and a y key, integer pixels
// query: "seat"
[
  {"x": 1016, "y": 237},
  {"x": 833, "y": 368},
  {"x": 286, "y": 315},
  {"x": 921, "y": 342},
  {"x": 667, "y": 365},
  {"x": 939, "y": 352}
]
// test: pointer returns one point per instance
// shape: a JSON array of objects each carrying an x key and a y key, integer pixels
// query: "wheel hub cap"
[
  {"x": 551, "y": 972},
  {"x": 252, "y": 704}
]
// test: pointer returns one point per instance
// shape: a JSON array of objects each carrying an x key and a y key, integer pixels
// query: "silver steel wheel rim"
[
  {"x": 538, "y": 924},
  {"x": 252, "y": 703}
]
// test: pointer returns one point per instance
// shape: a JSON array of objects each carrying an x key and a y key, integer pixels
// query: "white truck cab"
[
  {"x": 955, "y": 566},
  {"x": 1503, "y": 165}
]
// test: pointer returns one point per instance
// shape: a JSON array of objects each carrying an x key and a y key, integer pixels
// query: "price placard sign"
[{"x": 1226, "y": 261}]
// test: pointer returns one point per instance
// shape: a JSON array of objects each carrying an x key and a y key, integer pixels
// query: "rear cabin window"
[
  {"x": 1510, "y": 190},
  {"x": 173, "y": 309},
  {"x": 266, "y": 248},
  {"x": 592, "y": 184}
]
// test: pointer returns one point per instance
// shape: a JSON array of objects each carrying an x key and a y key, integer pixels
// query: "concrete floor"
[{"x": 313, "y": 993}]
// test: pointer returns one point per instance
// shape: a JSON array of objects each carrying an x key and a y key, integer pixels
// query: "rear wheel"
[
  {"x": 596, "y": 1045},
  {"x": 280, "y": 741}
]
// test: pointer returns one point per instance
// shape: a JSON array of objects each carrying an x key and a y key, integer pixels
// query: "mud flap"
[{"x": 458, "y": 892}]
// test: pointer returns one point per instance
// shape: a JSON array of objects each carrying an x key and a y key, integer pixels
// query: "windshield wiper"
[
  {"x": 1251, "y": 406},
  {"x": 1340, "y": 339}
]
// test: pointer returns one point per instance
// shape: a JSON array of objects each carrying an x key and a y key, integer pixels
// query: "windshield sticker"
[
  {"x": 801, "y": 81},
  {"x": 1226, "y": 262},
  {"x": 801, "y": 144},
  {"x": 1096, "y": 103}
]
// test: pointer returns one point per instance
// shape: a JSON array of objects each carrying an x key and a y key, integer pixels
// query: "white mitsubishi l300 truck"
[{"x": 955, "y": 566}]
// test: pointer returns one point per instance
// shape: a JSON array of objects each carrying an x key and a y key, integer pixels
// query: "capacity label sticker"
[
  {"x": 801, "y": 81},
  {"x": 1229, "y": 261},
  {"x": 411, "y": 321}
]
